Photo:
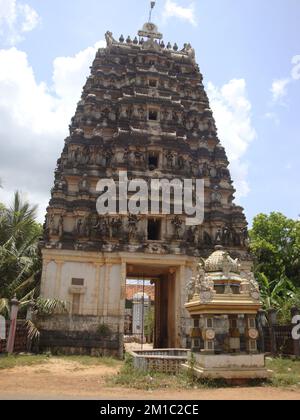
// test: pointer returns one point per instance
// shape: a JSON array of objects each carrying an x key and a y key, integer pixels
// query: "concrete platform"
[{"x": 229, "y": 367}]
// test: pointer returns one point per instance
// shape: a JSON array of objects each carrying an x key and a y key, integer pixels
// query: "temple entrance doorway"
[{"x": 150, "y": 314}]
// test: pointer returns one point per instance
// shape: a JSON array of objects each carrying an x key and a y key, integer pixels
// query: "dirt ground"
[{"x": 60, "y": 379}]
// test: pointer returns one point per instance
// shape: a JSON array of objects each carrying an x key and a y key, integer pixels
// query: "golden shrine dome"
[{"x": 220, "y": 261}]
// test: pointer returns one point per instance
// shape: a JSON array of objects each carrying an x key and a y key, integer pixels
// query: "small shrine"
[{"x": 223, "y": 303}]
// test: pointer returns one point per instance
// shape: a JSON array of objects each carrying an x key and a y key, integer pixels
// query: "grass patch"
[
  {"x": 10, "y": 362},
  {"x": 286, "y": 372}
]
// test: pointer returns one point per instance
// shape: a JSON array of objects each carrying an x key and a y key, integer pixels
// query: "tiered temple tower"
[{"x": 143, "y": 110}]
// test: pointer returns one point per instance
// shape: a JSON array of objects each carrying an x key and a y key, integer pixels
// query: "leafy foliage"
[
  {"x": 20, "y": 259},
  {"x": 275, "y": 243}
]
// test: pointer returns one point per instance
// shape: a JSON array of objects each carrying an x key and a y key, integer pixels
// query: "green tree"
[
  {"x": 20, "y": 259},
  {"x": 275, "y": 243}
]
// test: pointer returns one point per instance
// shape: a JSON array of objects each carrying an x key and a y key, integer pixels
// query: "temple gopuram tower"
[{"x": 143, "y": 110}]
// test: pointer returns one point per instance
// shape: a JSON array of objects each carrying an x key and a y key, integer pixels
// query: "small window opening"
[
  {"x": 153, "y": 83},
  {"x": 154, "y": 230},
  {"x": 220, "y": 289},
  {"x": 153, "y": 160},
  {"x": 210, "y": 323},
  {"x": 77, "y": 282},
  {"x": 233, "y": 323},
  {"x": 153, "y": 115},
  {"x": 235, "y": 289}
]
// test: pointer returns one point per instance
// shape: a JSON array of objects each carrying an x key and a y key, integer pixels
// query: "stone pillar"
[
  {"x": 234, "y": 335},
  {"x": 196, "y": 335},
  {"x": 59, "y": 266},
  {"x": 29, "y": 317},
  {"x": 137, "y": 317},
  {"x": 13, "y": 325},
  {"x": 261, "y": 317},
  {"x": 44, "y": 276},
  {"x": 251, "y": 333},
  {"x": 209, "y": 335},
  {"x": 272, "y": 318},
  {"x": 2, "y": 328},
  {"x": 122, "y": 308},
  {"x": 106, "y": 290},
  {"x": 97, "y": 288},
  {"x": 296, "y": 312}
]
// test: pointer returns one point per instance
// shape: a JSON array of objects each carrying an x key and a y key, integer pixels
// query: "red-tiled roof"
[{"x": 131, "y": 290}]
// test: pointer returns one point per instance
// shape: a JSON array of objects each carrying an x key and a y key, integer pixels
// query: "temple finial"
[{"x": 152, "y": 5}]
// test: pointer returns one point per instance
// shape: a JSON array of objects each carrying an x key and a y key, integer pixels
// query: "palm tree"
[
  {"x": 280, "y": 294},
  {"x": 20, "y": 259},
  {"x": 272, "y": 292}
]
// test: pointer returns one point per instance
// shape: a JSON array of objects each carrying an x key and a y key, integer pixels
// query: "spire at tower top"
[
  {"x": 150, "y": 30},
  {"x": 152, "y": 5}
]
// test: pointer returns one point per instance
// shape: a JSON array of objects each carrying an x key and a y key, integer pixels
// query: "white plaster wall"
[
  {"x": 114, "y": 290},
  {"x": 186, "y": 319},
  {"x": 101, "y": 292},
  {"x": 49, "y": 281},
  {"x": 86, "y": 271}
]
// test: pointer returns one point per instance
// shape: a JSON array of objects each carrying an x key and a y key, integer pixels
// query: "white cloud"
[
  {"x": 232, "y": 111},
  {"x": 173, "y": 9},
  {"x": 31, "y": 18},
  {"x": 273, "y": 117},
  {"x": 279, "y": 89},
  {"x": 34, "y": 120},
  {"x": 296, "y": 69},
  {"x": 15, "y": 20}
]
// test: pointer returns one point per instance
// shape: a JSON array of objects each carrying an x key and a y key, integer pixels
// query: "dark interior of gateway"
[{"x": 153, "y": 290}]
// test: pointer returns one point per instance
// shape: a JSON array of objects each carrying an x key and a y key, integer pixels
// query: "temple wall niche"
[
  {"x": 86, "y": 272},
  {"x": 69, "y": 224}
]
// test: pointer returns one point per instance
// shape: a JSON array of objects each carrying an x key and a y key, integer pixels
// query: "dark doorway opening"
[
  {"x": 153, "y": 115},
  {"x": 153, "y": 160},
  {"x": 154, "y": 230}
]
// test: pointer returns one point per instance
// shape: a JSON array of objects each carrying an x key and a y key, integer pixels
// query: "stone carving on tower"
[{"x": 143, "y": 109}]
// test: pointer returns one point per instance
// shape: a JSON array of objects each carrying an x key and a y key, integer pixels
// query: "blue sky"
[{"x": 244, "y": 49}]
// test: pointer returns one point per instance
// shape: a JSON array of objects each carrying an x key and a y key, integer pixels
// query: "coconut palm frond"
[
  {"x": 25, "y": 283},
  {"x": 32, "y": 331},
  {"x": 29, "y": 297},
  {"x": 50, "y": 306},
  {"x": 4, "y": 306}
]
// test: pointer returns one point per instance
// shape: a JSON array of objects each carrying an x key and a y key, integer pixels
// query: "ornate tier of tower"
[{"x": 143, "y": 110}]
